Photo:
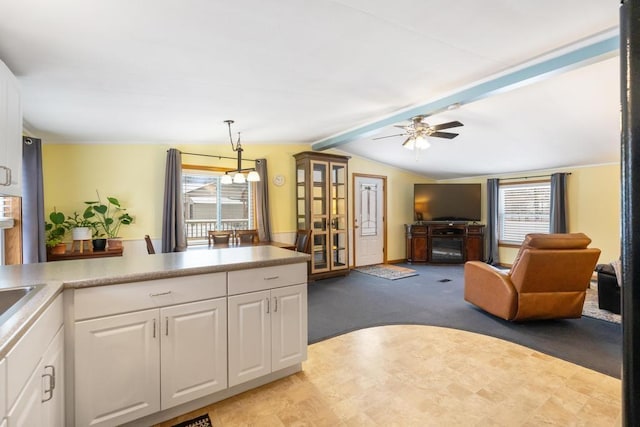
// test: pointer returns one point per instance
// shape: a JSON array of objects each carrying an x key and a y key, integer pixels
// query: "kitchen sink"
[{"x": 11, "y": 299}]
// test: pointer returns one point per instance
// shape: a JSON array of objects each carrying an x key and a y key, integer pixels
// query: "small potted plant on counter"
[
  {"x": 55, "y": 231},
  {"x": 110, "y": 217},
  {"x": 99, "y": 241}
]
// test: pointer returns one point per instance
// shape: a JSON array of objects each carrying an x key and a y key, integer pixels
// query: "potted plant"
[
  {"x": 80, "y": 225},
  {"x": 55, "y": 231},
  {"x": 99, "y": 241},
  {"x": 110, "y": 217}
]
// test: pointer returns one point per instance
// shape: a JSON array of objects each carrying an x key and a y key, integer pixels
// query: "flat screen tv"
[{"x": 447, "y": 202}]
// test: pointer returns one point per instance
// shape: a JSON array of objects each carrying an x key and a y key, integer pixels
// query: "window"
[
  {"x": 524, "y": 208},
  {"x": 209, "y": 205}
]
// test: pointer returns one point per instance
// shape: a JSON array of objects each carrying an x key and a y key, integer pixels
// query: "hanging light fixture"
[
  {"x": 238, "y": 177},
  {"x": 417, "y": 141}
]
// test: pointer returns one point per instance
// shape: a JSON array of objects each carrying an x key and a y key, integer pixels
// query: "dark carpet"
[{"x": 344, "y": 304}]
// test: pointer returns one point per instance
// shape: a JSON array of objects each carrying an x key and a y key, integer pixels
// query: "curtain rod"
[
  {"x": 528, "y": 177},
  {"x": 215, "y": 156}
]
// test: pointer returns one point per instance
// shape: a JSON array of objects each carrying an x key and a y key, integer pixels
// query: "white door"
[
  {"x": 289, "y": 326},
  {"x": 249, "y": 336},
  {"x": 117, "y": 368},
  {"x": 369, "y": 194},
  {"x": 193, "y": 351}
]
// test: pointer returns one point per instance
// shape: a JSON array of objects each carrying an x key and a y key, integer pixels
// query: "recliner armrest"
[{"x": 490, "y": 289}]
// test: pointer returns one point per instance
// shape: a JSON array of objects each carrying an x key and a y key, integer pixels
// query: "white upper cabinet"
[{"x": 10, "y": 134}]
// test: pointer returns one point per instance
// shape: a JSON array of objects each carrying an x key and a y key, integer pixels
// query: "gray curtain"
[
  {"x": 558, "y": 208},
  {"x": 492, "y": 221},
  {"x": 173, "y": 232},
  {"x": 262, "y": 201},
  {"x": 33, "y": 215}
]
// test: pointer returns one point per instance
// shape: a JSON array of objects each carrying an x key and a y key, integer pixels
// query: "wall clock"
[{"x": 278, "y": 180}]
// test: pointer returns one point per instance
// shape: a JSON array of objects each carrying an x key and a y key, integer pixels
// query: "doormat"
[
  {"x": 201, "y": 421},
  {"x": 387, "y": 271}
]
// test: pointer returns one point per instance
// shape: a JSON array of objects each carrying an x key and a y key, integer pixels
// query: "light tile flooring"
[{"x": 412, "y": 375}]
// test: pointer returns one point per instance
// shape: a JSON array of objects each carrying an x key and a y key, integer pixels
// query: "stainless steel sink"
[{"x": 11, "y": 299}]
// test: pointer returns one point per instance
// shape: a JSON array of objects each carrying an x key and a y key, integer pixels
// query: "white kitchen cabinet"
[
  {"x": 41, "y": 402},
  {"x": 134, "y": 364},
  {"x": 117, "y": 367},
  {"x": 267, "y": 331},
  {"x": 10, "y": 133},
  {"x": 193, "y": 351}
]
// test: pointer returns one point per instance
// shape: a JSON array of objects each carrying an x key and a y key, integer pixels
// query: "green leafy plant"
[
  {"x": 110, "y": 216},
  {"x": 56, "y": 229},
  {"x": 78, "y": 220}
]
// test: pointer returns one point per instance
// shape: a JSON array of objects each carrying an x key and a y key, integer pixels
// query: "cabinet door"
[
  {"x": 10, "y": 133},
  {"x": 249, "y": 336},
  {"x": 117, "y": 368},
  {"x": 419, "y": 249},
  {"x": 52, "y": 374},
  {"x": 193, "y": 351},
  {"x": 338, "y": 204},
  {"x": 288, "y": 326},
  {"x": 28, "y": 410},
  {"x": 320, "y": 244}
]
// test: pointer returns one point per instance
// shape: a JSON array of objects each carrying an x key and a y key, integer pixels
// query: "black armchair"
[{"x": 608, "y": 288}]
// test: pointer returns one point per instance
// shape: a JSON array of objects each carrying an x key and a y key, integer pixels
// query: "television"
[{"x": 447, "y": 202}]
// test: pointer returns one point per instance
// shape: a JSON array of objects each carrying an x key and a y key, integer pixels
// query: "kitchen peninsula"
[{"x": 150, "y": 337}]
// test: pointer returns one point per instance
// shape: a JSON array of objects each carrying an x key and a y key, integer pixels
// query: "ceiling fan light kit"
[{"x": 418, "y": 131}]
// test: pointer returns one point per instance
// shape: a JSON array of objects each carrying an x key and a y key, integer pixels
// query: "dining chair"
[
  {"x": 150, "y": 249},
  {"x": 247, "y": 236},
  {"x": 303, "y": 241},
  {"x": 220, "y": 237}
]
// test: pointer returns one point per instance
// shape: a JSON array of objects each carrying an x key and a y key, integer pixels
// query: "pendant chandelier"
[{"x": 238, "y": 176}]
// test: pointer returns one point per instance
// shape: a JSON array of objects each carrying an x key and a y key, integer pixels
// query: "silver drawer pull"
[
  {"x": 7, "y": 176},
  {"x": 159, "y": 294},
  {"x": 272, "y": 278}
]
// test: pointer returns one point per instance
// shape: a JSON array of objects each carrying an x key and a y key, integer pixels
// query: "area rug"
[
  {"x": 590, "y": 308},
  {"x": 388, "y": 271},
  {"x": 201, "y": 421}
]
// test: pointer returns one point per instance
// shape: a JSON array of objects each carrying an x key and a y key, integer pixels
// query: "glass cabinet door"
[
  {"x": 301, "y": 197},
  {"x": 338, "y": 230},
  {"x": 320, "y": 216}
]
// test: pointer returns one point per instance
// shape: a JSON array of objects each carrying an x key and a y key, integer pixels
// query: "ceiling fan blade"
[
  {"x": 389, "y": 136},
  {"x": 407, "y": 141},
  {"x": 447, "y": 125},
  {"x": 448, "y": 135}
]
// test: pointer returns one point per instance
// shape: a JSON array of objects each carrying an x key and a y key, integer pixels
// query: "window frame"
[
  {"x": 218, "y": 172},
  {"x": 528, "y": 183}
]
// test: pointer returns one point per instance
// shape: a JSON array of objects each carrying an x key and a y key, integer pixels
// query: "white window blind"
[{"x": 524, "y": 208}]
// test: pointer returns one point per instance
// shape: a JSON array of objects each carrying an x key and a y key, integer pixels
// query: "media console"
[{"x": 444, "y": 243}]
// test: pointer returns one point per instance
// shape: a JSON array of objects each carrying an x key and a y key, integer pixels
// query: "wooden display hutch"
[
  {"x": 321, "y": 206},
  {"x": 444, "y": 243}
]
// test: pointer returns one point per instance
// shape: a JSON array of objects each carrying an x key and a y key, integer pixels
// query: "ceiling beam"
[{"x": 580, "y": 56}]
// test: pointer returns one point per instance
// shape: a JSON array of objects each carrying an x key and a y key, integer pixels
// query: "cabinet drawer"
[
  {"x": 113, "y": 299},
  {"x": 258, "y": 279},
  {"x": 25, "y": 356}
]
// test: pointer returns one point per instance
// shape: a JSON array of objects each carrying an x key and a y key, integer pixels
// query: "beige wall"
[{"x": 134, "y": 173}]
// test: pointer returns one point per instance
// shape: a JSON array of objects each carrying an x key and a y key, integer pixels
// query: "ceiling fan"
[{"x": 418, "y": 131}]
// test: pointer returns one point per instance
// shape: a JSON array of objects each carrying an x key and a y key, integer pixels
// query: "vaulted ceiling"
[{"x": 332, "y": 73}]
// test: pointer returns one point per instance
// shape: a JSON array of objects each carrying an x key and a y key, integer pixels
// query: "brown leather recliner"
[{"x": 548, "y": 279}]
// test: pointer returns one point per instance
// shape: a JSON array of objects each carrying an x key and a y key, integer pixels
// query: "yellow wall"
[
  {"x": 594, "y": 206},
  {"x": 134, "y": 173}
]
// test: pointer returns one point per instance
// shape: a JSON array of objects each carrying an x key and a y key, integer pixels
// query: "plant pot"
[
  {"x": 81, "y": 233},
  {"x": 99, "y": 244},
  {"x": 114, "y": 243},
  {"x": 58, "y": 249}
]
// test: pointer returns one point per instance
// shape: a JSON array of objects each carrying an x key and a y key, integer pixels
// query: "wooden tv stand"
[{"x": 444, "y": 243}]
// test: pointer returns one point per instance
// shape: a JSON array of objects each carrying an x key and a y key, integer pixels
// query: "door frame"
[{"x": 353, "y": 216}]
